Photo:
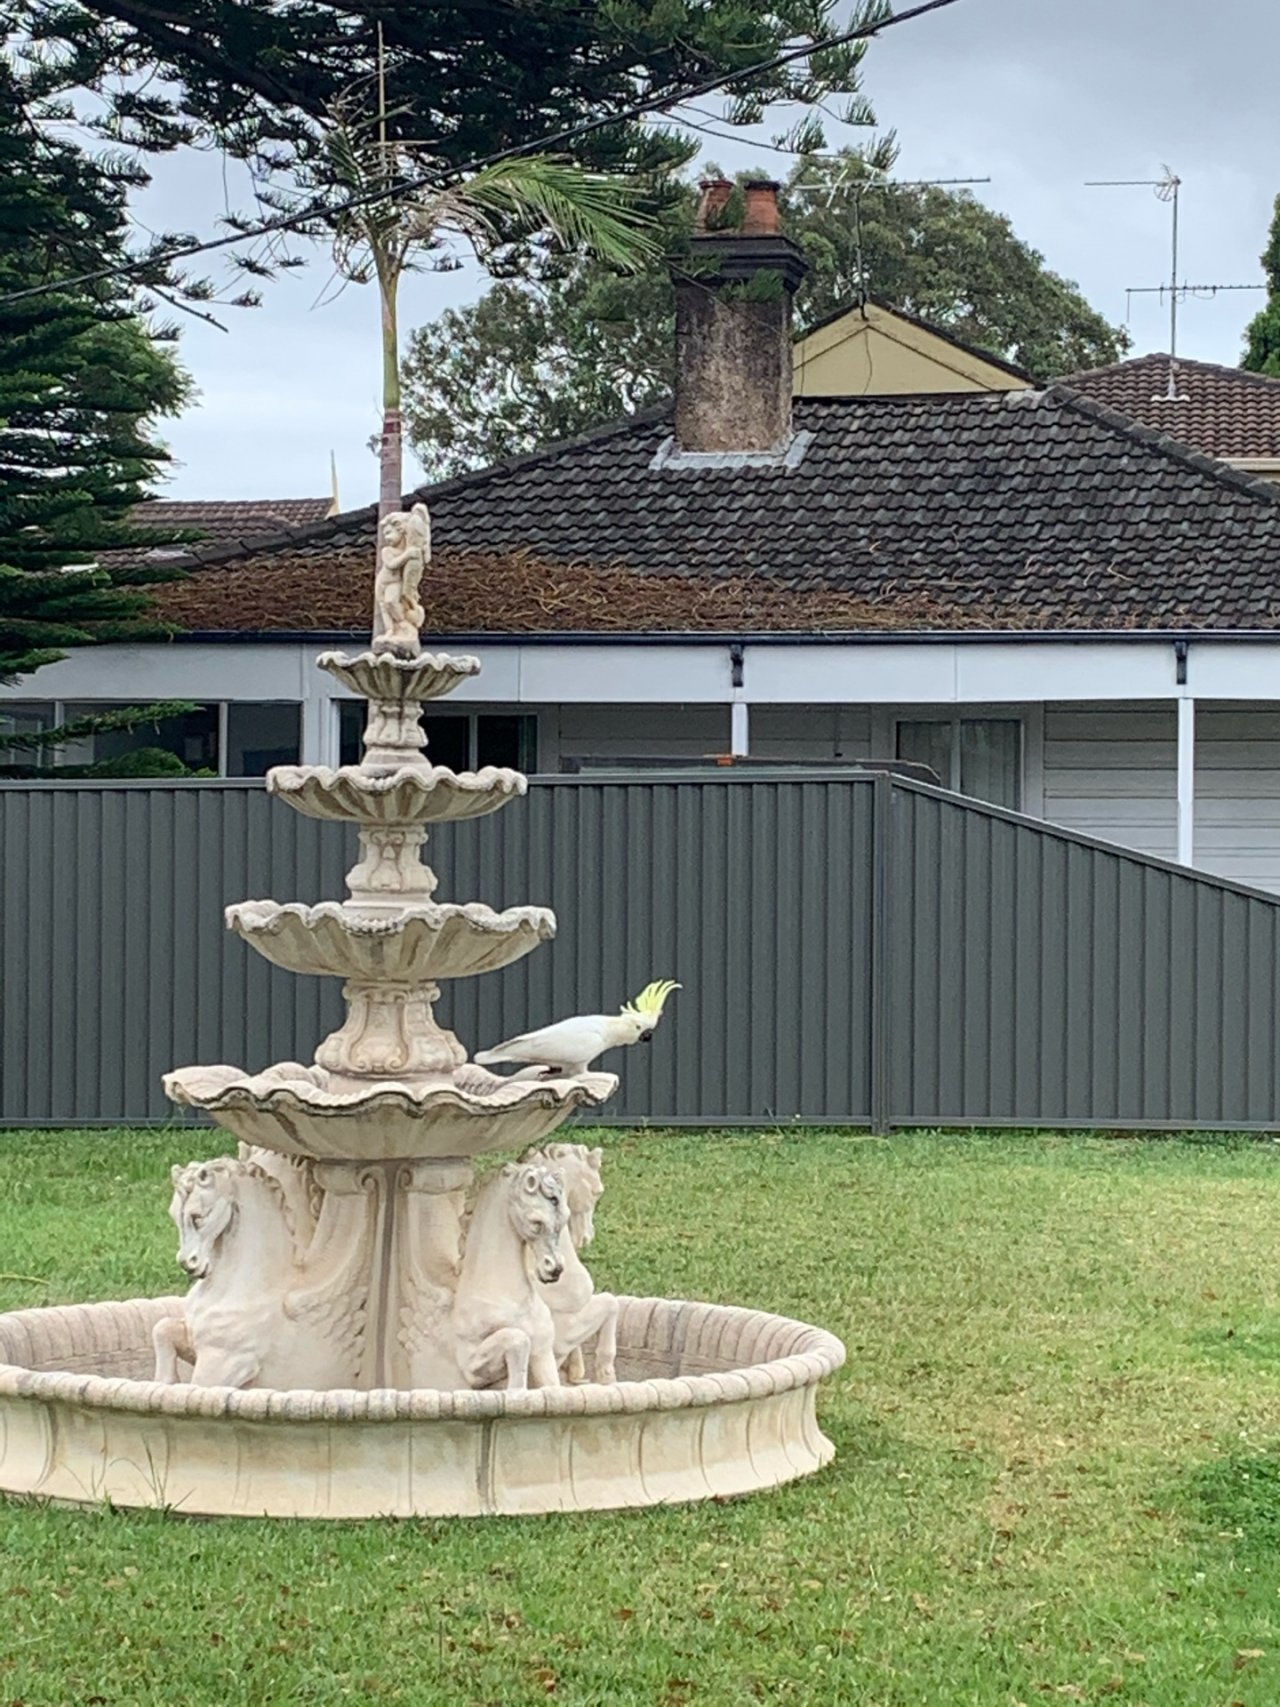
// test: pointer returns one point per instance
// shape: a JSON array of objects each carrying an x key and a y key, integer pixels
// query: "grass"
[{"x": 1058, "y": 1474}]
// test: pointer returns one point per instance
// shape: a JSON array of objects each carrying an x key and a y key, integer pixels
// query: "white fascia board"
[
  {"x": 849, "y": 675},
  {"x": 937, "y": 673},
  {"x": 173, "y": 671},
  {"x": 621, "y": 674},
  {"x": 1066, "y": 670},
  {"x": 1247, "y": 670},
  {"x": 959, "y": 672}
]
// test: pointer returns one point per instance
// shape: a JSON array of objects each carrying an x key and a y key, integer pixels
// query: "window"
[
  {"x": 350, "y": 730},
  {"x": 506, "y": 739},
  {"x": 193, "y": 737},
  {"x": 459, "y": 740},
  {"x": 448, "y": 739},
  {"x": 262, "y": 735},
  {"x": 977, "y": 756},
  {"x": 20, "y": 717}
]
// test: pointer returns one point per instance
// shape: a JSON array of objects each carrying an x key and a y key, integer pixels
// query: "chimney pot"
[
  {"x": 761, "y": 218},
  {"x": 715, "y": 193}
]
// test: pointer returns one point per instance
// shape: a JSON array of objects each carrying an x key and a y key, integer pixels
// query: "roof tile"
[
  {"x": 1012, "y": 510},
  {"x": 1222, "y": 411}
]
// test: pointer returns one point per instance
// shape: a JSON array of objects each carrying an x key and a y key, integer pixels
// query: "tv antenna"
[
  {"x": 863, "y": 187},
  {"x": 1166, "y": 188}
]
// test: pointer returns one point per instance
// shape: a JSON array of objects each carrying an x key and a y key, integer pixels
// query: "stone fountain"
[{"x": 368, "y": 1333}]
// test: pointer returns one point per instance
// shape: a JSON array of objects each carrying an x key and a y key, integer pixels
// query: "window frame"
[
  {"x": 473, "y": 714},
  {"x": 954, "y": 721}
]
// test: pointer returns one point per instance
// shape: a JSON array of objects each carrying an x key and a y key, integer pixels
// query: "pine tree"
[
  {"x": 260, "y": 77},
  {"x": 81, "y": 378},
  {"x": 1262, "y": 336}
]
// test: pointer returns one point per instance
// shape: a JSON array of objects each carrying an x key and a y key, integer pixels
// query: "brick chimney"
[{"x": 733, "y": 322}]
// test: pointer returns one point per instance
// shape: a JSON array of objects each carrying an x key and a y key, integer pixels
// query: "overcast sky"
[{"x": 1037, "y": 95}]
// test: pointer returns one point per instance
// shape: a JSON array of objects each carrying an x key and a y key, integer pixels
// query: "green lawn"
[{"x": 1058, "y": 1473}]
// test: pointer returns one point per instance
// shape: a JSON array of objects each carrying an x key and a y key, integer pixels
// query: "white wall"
[
  {"x": 631, "y": 732},
  {"x": 1111, "y": 772},
  {"x": 1237, "y": 818}
]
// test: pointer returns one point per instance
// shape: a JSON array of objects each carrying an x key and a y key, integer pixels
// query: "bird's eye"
[
  {"x": 197, "y": 1220},
  {"x": 538, "y": 1226}
]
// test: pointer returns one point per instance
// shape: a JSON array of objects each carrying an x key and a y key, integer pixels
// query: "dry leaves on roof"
[{"x": 519, "y": 593}]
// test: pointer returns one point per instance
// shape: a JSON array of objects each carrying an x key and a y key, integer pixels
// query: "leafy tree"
[
  {"x": 947, "y": 257},
  {"x": 565, "y": 350},
  {"x": 81, "y": 379},
  {"x": 1262, "y": 336}
]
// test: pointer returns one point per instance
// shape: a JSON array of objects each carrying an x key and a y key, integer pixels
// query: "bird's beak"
[{"x": 646, "y": 1037}]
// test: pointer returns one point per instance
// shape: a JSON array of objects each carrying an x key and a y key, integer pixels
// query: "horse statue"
[
  {"x": 501, "y": 1324},
  {"x": 582, "y": 1316},
  {"x": 239, "y": 1242}
]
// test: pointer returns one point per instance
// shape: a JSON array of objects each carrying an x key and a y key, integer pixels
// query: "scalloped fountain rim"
[
  {"x": 244, "y": 917},
  {"x": 692, "y": 1421},
  {"x": 307, "y": 1094},
  {"x": 411, "y": 794}
]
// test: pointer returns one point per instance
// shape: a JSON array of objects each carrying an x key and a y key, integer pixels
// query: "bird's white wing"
[{"x": 567, "y": 1043}]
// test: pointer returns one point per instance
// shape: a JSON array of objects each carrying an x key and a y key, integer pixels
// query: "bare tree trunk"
[{"x": 391, "y": 450}]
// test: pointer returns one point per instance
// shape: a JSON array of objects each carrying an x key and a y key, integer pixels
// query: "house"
[
  {"x": 874, "y": 350},
  {"x": 220, "y": 523},
  {"x": 1225, "y": 412},
  {"x": 1051, "y": 605}
]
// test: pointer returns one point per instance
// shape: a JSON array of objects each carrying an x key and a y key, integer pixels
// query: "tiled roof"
[
  {"x": 1017, "y": 510},
  {"x": 1222, "y": 411},
  {"x": 238, "y": 522}
]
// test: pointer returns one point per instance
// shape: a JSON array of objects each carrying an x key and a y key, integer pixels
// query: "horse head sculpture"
[
  {"x": 579, "y": 1170},
  {"x": 537, "y": 1211},
  {"x": 203, "y": 1209}
]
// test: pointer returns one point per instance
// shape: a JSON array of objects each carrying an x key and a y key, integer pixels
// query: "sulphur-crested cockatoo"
[{"x": 571, "y": 1045}]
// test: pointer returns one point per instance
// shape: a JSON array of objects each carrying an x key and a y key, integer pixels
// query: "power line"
[{"x": 436, "y": 180}]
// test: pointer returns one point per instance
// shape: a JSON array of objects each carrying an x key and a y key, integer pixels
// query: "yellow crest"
[{"x": 649, "y": 1003}]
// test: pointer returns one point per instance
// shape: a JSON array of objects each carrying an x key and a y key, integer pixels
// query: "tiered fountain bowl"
[{"x": 351, "y": 1404}]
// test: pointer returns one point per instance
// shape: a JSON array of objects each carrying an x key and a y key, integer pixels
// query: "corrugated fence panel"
[
  {"x": 852, "y": 950},
  {"x": 114, "y": 960},
  {"x": 754, "y": 895},
  {"x": 1037, "y": 977}
]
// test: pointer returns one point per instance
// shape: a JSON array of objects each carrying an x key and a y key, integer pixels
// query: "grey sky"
[{"x": 1039, "y": 95}]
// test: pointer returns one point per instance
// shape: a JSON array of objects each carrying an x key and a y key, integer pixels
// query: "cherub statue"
[{"x": 404, "y": 550}]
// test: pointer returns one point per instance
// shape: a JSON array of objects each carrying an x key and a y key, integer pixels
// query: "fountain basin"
[
  {"x": 712, "y": 1400},
  {"x": 297, "y": 1110},
  {"x": 415, "y": 944},
  {"x": 411, "y": 794},
  {"x": 381, "y": 675}
]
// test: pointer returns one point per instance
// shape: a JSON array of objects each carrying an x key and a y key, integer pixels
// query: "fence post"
[{"x": 878, "y": 1005}]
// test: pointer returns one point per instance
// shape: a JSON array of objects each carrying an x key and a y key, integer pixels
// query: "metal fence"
[{"x": 854, "y": 949}]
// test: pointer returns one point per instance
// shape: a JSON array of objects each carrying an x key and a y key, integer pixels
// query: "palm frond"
[{"x": 583, "y": 210}]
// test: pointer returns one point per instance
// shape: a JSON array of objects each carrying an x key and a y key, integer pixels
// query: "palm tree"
[{"x": 381, "y": 240}]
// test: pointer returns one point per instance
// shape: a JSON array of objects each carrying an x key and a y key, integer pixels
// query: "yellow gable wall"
[{"x": 872, "y": 352}]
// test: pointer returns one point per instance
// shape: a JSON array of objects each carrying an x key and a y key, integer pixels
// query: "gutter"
[{"x": 731, "y": 637}]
